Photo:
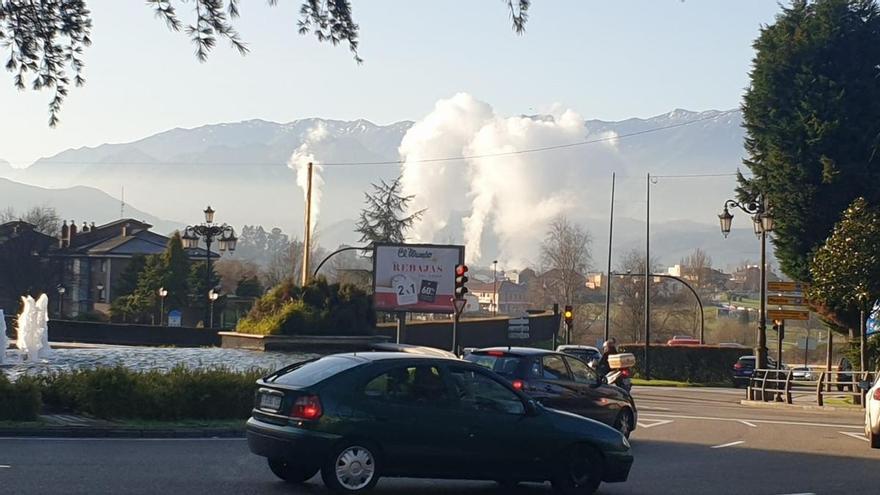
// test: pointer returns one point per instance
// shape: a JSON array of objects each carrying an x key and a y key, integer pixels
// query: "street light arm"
[
  {"x": 752, "y": 207},
  {"x": 693, "y": 291},
  {"x": 334, "y": 253}
]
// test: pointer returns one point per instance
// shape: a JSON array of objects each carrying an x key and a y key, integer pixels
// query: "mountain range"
[{"x": 241, "y": 170}]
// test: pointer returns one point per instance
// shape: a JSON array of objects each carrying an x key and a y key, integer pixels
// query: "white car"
[
  {"x": 585, "y": 353},
  {"x": 872, "y": 411}
]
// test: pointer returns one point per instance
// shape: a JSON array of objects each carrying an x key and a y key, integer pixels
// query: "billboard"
[{"x": 418, "y": 278}]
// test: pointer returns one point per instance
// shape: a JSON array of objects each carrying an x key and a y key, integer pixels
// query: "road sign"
[
  {"x": 786, "y": 287},
  {"x": 872, "y": 326},
  {"x": 788, "y": 314},
  {"x": 174, "y": 318},
  {"x": 459, "y": 304},
  {"x": 802, "y": 343},
  {"x": 518, "y": 328},
  {"x": 785, "y": 300}
]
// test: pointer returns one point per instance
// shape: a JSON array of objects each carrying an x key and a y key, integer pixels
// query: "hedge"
[
  {"x": 693, "y": 364},
  {"x": 19, "y": 401},
  {"x": 119, "y": 393}
]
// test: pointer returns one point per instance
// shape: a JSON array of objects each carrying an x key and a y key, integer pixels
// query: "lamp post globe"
[
  {"x": 726, "y": 220},
  {"x": 209, "y": 214}
]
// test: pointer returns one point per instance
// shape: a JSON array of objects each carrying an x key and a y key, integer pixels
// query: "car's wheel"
[
  {"x": 624, "y": 422},
  {"x": 351, "y": 468},
  {"x": 875, "y": 440},
  {"x": 580, "y": 471},
  {"x": 291, "y": 472}
]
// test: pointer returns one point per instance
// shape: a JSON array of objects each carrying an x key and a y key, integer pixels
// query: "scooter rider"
[{"x": 608, "y": 348}]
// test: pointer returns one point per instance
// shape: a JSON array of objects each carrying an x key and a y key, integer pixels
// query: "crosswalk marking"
[
  {"x": 857, "y": 436},
  {"x": 656, "y": 422},
  {"x": 731, "y": 444}
]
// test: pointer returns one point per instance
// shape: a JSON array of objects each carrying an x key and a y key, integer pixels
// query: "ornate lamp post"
[
  {"x": 61, "y": 290},
  {"x": 209, "y": 231},
  {"x": 762, "y": 222},
  {"x": 495, "y": 288},
  {"x": 100, "y": 289},
  {"x": 212, "y": 296},
  {"x": 163, "y": 293}
]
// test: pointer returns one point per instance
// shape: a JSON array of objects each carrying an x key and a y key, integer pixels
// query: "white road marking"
[
  {"x": 653, "y": 408},
  {"x": 5, "y": 466},
  {"x": 810, "y": 493},
  {"x": 753, "y": 425},
  {"x": 857, "y": 436},
  {"x": 731, "y": 444},
  {"x": 123, "y": 439},
  {"x": 759, "y": 421},
  {"x": 657, "y": 422}
]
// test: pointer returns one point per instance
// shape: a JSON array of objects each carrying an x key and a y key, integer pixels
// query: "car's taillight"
[
  {"x": 495, "y": 353},
  {"x": 518, "y": 384},
  {"x": 307, "y": 407},
  {"x": 877, "y": 394},
  {"x": 737, "y": 366},
  {"x": 624, "y": 372}
]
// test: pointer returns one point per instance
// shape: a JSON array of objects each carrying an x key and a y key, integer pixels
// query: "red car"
[{"x": 683, "y": 340}]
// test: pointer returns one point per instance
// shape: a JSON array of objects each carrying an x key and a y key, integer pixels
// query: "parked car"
[
  {"x": 683, "y": 340},
  {"x": 357, "y": 417},
  {"x": 872, "y": 411},
  {"x": 585, "y": 353},
  {"x": 561, "y": 381},
  {"x": 734, "y": 345},
  {"x": 412, "y": 349},
  {"x": 803, "y": 373},
  {"x": 744, "y": 368}
]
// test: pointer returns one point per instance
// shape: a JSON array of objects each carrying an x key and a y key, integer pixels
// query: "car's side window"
[
  {"x": 554, "y": 368},
  {"x": 479, "y": 392},
  {"x": 409, "y": 384},
  {"x": 581, "y": 372}
]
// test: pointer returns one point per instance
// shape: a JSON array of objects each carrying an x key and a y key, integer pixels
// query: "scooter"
[
  {"x": 620, "y": 374},
  {"x": 620, "y": 378}
]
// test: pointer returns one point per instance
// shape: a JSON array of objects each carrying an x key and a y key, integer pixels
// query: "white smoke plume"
[
  {"x": 512, "y": 197},
  {"x": 300, "y": 160}
]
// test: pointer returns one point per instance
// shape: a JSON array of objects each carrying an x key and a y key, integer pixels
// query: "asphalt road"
[{"x": 689, "y": 441}]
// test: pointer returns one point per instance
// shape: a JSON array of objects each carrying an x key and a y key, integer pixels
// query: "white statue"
[
  {"x": 4, "y": 341},
  {"x": 42, "y": 322}
]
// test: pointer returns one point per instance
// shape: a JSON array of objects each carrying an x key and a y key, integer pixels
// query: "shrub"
[
  {"x": 318, "y": 308},
  {"x": 19, "y": 401},
  {"x": 693, "y": 364},
  {"x": 181, "y": 393}
]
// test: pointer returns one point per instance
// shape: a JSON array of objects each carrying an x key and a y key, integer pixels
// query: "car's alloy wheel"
[
  {"x": 581, "y": 471},
  {"x": 624, "y": 422},
  {"x": 351, "y": 469},
  {"x": 291, "y": 472}
]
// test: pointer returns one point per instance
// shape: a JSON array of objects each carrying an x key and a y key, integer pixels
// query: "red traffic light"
[{"x": 460, "y": 270}]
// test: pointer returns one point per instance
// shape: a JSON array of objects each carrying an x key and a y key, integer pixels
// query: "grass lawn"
[{"x": 674, "y": 383}]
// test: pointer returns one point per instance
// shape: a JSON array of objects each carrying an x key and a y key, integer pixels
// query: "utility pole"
[
  {"x": 648, "y": 271},
  {"x": 608, "y": 272},
  {"x": 307, "y": 236}
]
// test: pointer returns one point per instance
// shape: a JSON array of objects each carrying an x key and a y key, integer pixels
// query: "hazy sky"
[{"x": 606, "y": 59}]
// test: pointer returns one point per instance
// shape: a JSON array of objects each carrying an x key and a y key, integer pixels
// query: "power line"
[{"x": 439, "y": 159}]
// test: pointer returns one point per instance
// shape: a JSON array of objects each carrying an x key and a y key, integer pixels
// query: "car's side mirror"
[{"x": 865, "y": 385}]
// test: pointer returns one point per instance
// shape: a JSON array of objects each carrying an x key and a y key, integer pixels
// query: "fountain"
[{"x": 33, "y": 328}]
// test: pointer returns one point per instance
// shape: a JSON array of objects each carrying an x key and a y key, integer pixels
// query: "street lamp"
[
  {"x": 212, "y": 296},
  {"x": 100, "y": 289},
  {"x": 209, "y": 231},
  {"x": 163, "y": 293},
  {"x": 762, "y": 223},
  {"x": 495, "y": 288},
  {"x": 61, "y": 290}
]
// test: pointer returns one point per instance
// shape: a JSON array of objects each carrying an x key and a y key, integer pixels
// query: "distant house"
[
  {"x": 92, "y": 259},
  {"x": 505, "y": 297},
  {"x": 25, "y": 266},
  {"x": 747, "y": 279}
]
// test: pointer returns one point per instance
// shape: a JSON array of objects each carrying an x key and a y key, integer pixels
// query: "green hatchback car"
[{"x": 356, "y": 417}]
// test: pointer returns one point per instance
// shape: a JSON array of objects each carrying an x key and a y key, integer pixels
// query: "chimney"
[
  {"x": 125, "y": 230},
  {"x": 64, "y": 240},
  {"x": 85, "y": 228},
  {"x": 92, "y": 227},
  {"x": 72, "y": 233}
]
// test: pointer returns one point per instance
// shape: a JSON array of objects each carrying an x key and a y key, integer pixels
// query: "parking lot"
[{"x": 688, "y": 441}]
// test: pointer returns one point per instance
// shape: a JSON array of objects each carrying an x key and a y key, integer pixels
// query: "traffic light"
[
  {"x": 568, "y": 314},
  {"x": 460, "y": 281},
  {"x": 779, "y": 326}
]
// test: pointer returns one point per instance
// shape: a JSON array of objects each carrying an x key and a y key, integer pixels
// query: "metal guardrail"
[{"x": 778, "y": 385}]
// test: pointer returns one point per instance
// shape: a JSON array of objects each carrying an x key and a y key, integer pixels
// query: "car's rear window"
[
  {"x": 312, "y": 372},
  {"x": 505, "y": 365},
  {"x": 748, "y": 361}
]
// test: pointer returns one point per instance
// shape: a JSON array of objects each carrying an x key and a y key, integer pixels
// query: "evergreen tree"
[
  {"x": 249, "y": 287},
  {"x": 128, "y": 279},
  {"x": 175, "y": 268},
  {"x": 846, "y": 269},
  {"x": 384, "y": 217},
  {"x": 198, "y": 287},
  {"x": 812, "y": 116}
]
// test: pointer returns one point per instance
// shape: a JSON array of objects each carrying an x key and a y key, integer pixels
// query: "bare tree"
[
  {"x": 565, "y": 254},
  {"x": 695, "y": 267},
  {"x": 44, "y": 218}
]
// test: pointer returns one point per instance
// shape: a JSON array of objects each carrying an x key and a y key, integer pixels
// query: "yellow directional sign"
[
  {"x": 786, "y": 287},
  {"x": 785, "y": 300},
  {"x": 787, "y": 314}
]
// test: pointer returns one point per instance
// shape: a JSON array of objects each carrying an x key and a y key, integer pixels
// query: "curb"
[
  {"x": 855, "y": 410},
  {"x": 113, "y": 432}
]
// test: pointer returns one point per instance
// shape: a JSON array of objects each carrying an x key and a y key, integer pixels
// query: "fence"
[{"x": 772, "y": 385}]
